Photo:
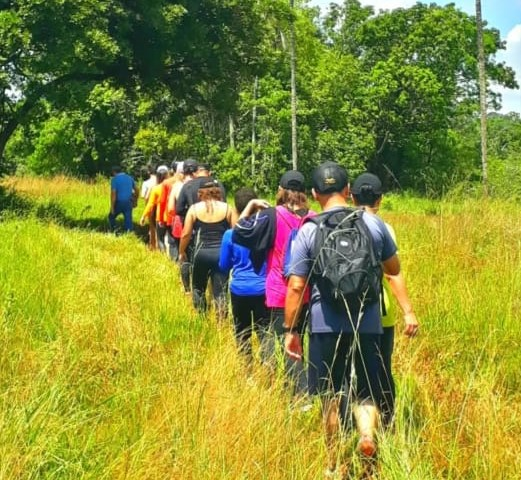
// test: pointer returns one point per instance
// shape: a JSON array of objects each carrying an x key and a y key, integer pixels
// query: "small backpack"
[{"x": 345, "y": 268}]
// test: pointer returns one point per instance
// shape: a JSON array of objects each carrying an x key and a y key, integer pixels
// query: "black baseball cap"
[
  {"x": 293, "y": 180},
  {"x": 190, "y": 165},
  {"x": 329, "y": 177},
  {"x": 367, "y": 182},
  {"x": 207, "y": 182},
  {"x": 204, "y": 166}
]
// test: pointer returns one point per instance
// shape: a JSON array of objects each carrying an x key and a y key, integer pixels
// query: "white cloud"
[{"x": 512, "y": 57}]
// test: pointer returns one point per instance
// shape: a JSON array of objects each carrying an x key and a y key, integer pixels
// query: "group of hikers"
[{"x": 292, "y": 272}]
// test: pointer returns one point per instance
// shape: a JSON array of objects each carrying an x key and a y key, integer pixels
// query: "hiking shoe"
[
  {"x": 367, "y": 446},
  {"x": 305, "y": 408}
]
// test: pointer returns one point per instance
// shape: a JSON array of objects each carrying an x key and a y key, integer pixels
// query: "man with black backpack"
[{"x": 341, "y": 253}]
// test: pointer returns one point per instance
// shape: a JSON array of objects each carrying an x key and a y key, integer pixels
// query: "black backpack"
[{"x": 345, "y": 267}]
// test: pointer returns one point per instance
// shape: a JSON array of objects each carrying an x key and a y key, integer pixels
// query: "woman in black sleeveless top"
[{"x": 207, "y": 221}]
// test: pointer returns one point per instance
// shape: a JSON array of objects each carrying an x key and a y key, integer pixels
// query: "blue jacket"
[{"x": 245, "y": 281}]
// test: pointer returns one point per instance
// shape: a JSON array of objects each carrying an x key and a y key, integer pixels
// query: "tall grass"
[{"x": 106, "y": 371}]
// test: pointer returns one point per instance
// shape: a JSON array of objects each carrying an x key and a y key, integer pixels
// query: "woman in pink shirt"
[{"x": 290, "y": 212}]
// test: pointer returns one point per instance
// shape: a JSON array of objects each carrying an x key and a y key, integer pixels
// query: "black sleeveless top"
[{"x": 210, "y": 234}]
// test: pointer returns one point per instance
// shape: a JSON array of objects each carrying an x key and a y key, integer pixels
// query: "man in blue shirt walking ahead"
[{"x": 123, "y": 192}]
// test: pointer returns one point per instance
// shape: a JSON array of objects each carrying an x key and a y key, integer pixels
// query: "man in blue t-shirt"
[
  {"x": 123, "y": 193},
  {"x": 338, "y": 340}
]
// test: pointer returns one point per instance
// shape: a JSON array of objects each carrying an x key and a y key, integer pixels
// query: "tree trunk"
[
  {"x": 482, "y": 96},
  {"x": 231, "y": 130},
  {"x": 254, "y": 125},
  {"x": 293, "y": 63}
]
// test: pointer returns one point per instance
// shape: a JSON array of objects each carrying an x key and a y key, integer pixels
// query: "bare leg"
[
  {"x": 331, "y": 413},
  {"x": 152, "y": 235},
  {"x": 366, "y": 416}
]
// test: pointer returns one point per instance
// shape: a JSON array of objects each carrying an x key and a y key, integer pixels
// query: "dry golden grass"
[{"x": 106, "y": 372}]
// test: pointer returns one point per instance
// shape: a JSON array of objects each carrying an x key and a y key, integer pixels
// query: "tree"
[
  {"x": 293, "y": 64},
  {"x": 482, "y": 95},
  {"x": 421, "y": 76},
  {"x": 50, "y": 46}
]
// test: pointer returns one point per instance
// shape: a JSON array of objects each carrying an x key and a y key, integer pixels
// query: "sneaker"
[
  {"x": 328, "y": 473},
  {"x": 306, "y": 407},
  {"x": 367, "y": 446}
]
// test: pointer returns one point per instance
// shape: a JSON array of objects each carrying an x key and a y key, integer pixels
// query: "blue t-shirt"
[
  {"x": 325, "y": 319},
  {"x": 123, "y": 185},
  {"x": 244, "y": 281}
]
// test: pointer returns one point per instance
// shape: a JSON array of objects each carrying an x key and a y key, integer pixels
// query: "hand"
[
  {"x": 254, "y": 206},
  {"x": 142, "y": 221},
  {"x": 411, "y": 324},
  {"x": 293, "y": 345},
  {"x": 181, "y": 258},
  {"x": 259, "y": 204}
]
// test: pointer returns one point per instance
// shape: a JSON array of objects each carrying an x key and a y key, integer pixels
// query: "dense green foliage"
[{"x": 85, "y": 84}]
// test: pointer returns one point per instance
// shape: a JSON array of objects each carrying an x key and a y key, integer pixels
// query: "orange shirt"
[
  {"x": 162, "y": 211},
  {"x": 153, "y": 200}
]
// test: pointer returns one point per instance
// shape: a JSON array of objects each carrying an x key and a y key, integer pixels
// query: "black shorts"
[{"x": 331, "y": 356}]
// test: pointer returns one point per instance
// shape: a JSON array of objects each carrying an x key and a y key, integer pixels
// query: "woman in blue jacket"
[{"x": 247, "y": 288}]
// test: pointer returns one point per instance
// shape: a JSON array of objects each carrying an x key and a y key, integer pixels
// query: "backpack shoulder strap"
[{"x": 323, "y": 217}]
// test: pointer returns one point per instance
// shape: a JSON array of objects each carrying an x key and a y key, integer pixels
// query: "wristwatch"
[{"x": 293, "y": 329}]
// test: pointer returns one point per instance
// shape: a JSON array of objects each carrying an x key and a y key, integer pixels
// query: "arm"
[
  {"x": 300, "y": 268},
  {"x": 391, "y": 266},
  {"x": 186, "y": 236},
  {"x": 253, "y": 206},
  {"x": 225, "y": 255},
  {"x": 149, "y": 206},
  {"x": 135, "y": 192},
  {"x": 112, "y": 201},
  {"x": 399, "y": 290},
  {"x": 231, "y": 216},
  {"x": 292, "y": 309},
  {"x": 170, "y": 208}
]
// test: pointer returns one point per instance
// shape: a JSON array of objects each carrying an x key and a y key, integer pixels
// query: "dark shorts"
[{"x": 331, "y": 357}]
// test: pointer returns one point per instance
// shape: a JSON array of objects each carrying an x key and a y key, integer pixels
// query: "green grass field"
[{"x": 107, "y": 373}]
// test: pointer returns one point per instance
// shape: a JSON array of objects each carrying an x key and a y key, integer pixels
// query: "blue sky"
[{"x": 505, "y": 15}]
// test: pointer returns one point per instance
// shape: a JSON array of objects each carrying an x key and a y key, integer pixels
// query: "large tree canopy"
[
  {"x": 395, "y": 92},
  {"x": 49, "y": 47}
]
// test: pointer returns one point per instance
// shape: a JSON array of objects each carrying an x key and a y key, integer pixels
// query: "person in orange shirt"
[
  {"x": 166, "y": 213},
  {"x": 153, "y": 207},
  {"x": 176, "y": 224}
]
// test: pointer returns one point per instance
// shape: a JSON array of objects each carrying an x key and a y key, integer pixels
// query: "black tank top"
[{"x": 210, "y": 234}]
